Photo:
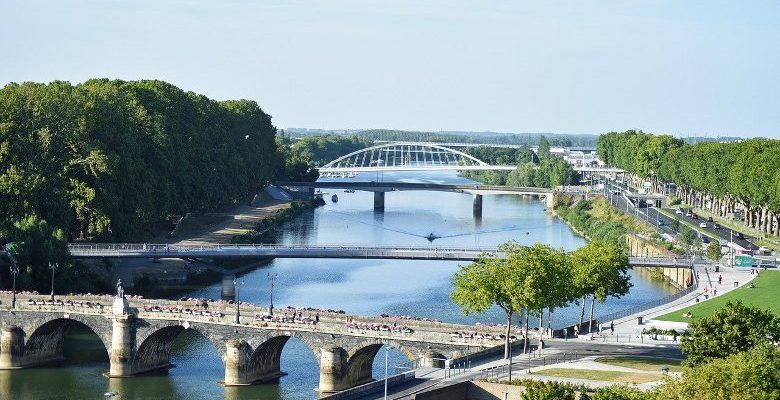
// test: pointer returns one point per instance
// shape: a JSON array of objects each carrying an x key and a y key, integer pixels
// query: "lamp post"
[
  {"x": 14, "y": 272},
  {"x": 236, "y": 285},
  {"x": 272, "y": 280},
  {"x": 53, "y": 266},
  {"x": 387, "y": 350}
]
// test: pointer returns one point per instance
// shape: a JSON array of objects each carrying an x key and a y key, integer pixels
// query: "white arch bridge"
[{"x": 417, "y": 156}]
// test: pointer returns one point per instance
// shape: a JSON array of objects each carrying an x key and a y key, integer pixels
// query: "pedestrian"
[
  {"x": 612, "y": 326},
  {"x": 576, "y": 330},
  {"x": 714, "y": 292},
  {"x": 720, "y": 279},
  {"x": 674, "y": 336}
]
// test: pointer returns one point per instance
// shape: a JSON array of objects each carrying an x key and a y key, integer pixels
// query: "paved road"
[
  {"x": 554, "y": 350},
  {"x": 664, "y": 223}
]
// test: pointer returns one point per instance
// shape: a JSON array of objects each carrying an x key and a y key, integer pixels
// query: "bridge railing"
[{"x": 155, "y": 247}]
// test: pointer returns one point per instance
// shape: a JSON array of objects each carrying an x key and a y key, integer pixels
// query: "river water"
[{"x": 368, "y": 287}]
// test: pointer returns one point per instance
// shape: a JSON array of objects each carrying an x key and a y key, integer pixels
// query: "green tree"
[
  {"x": 713, "y": 251},
  {"x": 753, "y": 374},
  {"x": 616, "y": 392},
  {"x": 729, "y": 330},
  {"x": 543, "y": 148},
  {"x": 600, "y": 271},
  {"x": 539, "y": 390},
  {"x": 43, "y": 244},
  {"x": 491, "y": 281}
]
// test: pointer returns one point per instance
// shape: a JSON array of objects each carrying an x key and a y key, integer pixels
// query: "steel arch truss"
[{"x": 404, "y": 154}]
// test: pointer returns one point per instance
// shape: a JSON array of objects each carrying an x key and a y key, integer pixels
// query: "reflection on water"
[{"x": 370, "y": 287}]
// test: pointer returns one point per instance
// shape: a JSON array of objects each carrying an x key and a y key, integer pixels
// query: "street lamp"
[
  {"x": 272, "y": 280},
  {"x": 387, "y": 349},
  {"x": 53, "y": 266},
  {"x": 14, "y": 271},
  {"x": 236, "y": 285}
]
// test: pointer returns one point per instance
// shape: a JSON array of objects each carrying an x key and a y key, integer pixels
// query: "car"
[
  {"x": 678, "y": 211},
  {"x": 740, "y": 235},
  {"x": 694, "y": 216},
  {"x": 710, "y": 219},
  {"x": 688, "y": 214},
  {"x": 715, "y": 226},
  {"x": 661, "y": 223},
  {"x": 703, "y": 225},
  {"x": 617, "y": 192}
]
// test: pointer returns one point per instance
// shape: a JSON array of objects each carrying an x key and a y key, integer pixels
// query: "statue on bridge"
[{"x": 120, "y": 291}]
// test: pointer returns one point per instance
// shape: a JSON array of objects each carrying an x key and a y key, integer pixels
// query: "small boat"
[
  {"x": 110, "y": 394},
  {"x": 334, "y": 198}
]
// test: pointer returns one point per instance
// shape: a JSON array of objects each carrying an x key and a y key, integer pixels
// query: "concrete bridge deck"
[
  {"x": 404, "y": 186},
  {"x": 138, "y": 336},
  {"x": 138, "y": 250}
]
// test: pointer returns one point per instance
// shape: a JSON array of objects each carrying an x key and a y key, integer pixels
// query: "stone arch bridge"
[{"x": 139, "y": 338}]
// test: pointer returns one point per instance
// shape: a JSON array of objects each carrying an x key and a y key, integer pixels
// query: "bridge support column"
[
  {"x": 477, "y": 206},
  {"x": 379, "y": 201},
  {"x": 432, "y": 360},
  {"x": 237, "y": 363},
  {"x": 11, "y": 347},
  {"x": 333, "y": 370},
  {"x": 121, "y": 357}
]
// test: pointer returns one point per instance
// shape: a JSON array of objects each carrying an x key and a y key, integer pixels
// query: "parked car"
[
  {"x": 740, "y": 235},
  {"x": 688, "y": 214},
  {"x": 703, "y": 225},
  {"x": 710, "y": 219},
  {"x": 678, "y": 211},
  {"x": 695, "y": 216},
  {"x": 715, "y": 226}
]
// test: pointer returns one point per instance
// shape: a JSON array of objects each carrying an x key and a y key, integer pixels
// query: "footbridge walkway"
[
  {"x": 138, "y": 250},
  {"x": 138, "y": 335}
]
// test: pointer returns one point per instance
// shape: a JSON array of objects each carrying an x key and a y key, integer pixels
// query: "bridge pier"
[
  {"x": 237, "y": 359},
  {"x": 333, "y": 370},
  {"x": 477, "y": 205},
  {"x": 121, "y": 353},
  {"x": 11, "y": 347},
  {"x": 379, "y": 201}
]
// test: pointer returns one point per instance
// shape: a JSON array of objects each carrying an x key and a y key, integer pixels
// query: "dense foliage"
[
  {"x": 475, "y": 137},
  {"x": 542, "y": 170},
  {"x": 324, "y": 149},
  {"x": 111, "y": 159},
  {"x": 715, "y": 176},
  {"x": 734, "y": 328},
  {"x": 529, "y": 280}
]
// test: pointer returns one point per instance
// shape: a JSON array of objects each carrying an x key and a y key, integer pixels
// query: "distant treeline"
[
  {"x": 533, "y": 170},
  {"x": 711, "y": 175},
  {"x": 555, "y": 140},
  {"x": 323, "y": 149},
  {"x": 113, "y": 160}
]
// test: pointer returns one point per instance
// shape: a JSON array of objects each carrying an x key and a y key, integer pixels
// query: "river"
[{"x": 368, "y": 287}]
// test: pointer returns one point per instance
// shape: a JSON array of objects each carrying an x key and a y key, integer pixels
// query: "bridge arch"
[
  {"x": 404, "y": 153},
  {"x": 46, "y": 342},
  {"x": 155, "y": 345},
  {"x": 265, "y": 360}
]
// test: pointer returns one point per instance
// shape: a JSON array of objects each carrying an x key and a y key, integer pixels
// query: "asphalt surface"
[
  {"x": 664, "y": 223},
  {"x": 580, "y": 347}
]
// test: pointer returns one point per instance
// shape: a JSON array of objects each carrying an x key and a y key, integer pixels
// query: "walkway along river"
[{"x": 367, "y": 287}]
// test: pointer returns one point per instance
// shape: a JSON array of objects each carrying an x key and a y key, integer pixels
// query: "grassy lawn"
[
  {"x": 764, "y": 295},
  {"x": 643, "y": 363},
  {"x": 608, "y": 376}
]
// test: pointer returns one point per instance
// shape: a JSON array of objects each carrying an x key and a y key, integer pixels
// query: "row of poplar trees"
[{"x": 709, "y": 175}]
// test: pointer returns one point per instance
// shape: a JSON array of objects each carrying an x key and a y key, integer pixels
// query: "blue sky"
[{"x": 682, "y": 67}]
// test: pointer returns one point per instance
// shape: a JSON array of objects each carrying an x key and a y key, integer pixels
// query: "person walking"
[
  {"x": 612, "y": 326},
  {"x": 720, "y": 279}
]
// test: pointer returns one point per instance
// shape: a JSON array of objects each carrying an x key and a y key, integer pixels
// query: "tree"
[
  {"x": 616, "y": 392},
  {"x": 729, "y": 330},
  {"x": 43, "y": 244},
  {"x": 751, "y": 374},
  {"x": 600, "y": 271},
  {"x": 714, "y": 252},
  {"x": 543, "y": 149},
  {"x": 491, "y": 281}
]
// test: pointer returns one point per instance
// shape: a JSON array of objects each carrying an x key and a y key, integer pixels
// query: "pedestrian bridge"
[
  {"x": 142, "y": 250},
  {"x": 138, "y": 335}
]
